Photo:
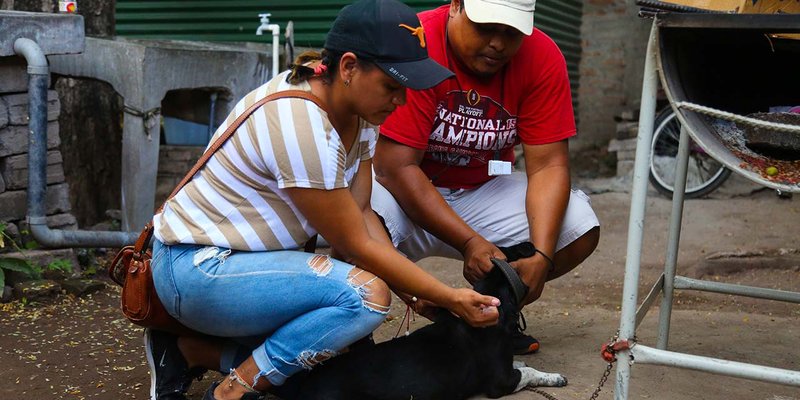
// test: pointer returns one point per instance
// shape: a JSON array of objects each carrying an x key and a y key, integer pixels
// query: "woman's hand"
[
  {"x": 426, "y": 308},
  {"x": 474, "y": 308}
]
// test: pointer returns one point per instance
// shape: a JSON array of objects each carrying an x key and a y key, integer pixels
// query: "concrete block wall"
[
  {"x": 614, "y": 40},
  {"x": 173, "y": 164},
  {"x": 14, "y": 133}
]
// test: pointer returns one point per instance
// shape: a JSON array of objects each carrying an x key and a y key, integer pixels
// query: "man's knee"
[{"x": 374, "y": 292}]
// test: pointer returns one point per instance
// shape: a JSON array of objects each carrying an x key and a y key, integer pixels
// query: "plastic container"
[{"x": 178, "y": 132}]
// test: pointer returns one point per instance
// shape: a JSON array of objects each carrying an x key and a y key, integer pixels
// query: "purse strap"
[{"x": 147, "y": 233}]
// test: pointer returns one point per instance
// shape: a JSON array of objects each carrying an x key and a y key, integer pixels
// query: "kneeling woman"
[{"x": 226, "y": 260}]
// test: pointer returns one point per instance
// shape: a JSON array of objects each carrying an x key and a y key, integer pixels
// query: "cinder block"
[
  {"x": 14, "y": 170},
  {"x": 14, "y": 203},
  {"x": 57, "y": 200},
  {"x": 18, "y": 107},
  {"x": 14, "y": 139},
  {"x": 624, "y": 167},
  {"x": 64, "y": 221},
  {"x": 3, "y": 110},
  {"x": 622, "y": 145},
  {"x": 14, "y": 75}
]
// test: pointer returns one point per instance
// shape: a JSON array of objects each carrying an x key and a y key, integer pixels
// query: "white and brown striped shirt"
[{"x": 237, "y": 200}]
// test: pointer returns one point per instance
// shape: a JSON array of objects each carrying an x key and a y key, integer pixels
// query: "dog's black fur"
[{"x": 447, "y": 360}]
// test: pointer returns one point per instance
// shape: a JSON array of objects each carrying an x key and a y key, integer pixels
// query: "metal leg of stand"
[
  {"x": 671, "y": 262},
  {"x": 636, "y": 220}
]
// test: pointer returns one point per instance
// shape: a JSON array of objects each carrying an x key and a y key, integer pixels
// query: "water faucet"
[{"x": 265, "y": 25}]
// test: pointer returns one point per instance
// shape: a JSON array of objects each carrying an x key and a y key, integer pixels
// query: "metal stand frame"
[{"x": 669, "y": 281}]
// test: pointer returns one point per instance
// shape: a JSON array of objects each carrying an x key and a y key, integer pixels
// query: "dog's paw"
[
  {"x": 518, "y": 364},
  {"x": 533, "y": 378}
]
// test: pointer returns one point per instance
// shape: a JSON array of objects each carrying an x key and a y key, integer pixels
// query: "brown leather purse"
[{"x": 131, "y": 267}]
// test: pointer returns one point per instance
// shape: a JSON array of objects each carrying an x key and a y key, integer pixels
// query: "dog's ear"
[{"x": 491, "y": 283}]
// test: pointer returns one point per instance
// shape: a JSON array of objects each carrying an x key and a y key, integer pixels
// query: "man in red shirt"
[{"x": 443, "y": 161}]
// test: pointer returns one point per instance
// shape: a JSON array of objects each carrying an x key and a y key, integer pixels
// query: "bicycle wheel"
[{"x": 704, "y": 173}]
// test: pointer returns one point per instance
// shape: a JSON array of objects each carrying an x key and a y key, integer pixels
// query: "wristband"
[{"x": 549, "y": 260}]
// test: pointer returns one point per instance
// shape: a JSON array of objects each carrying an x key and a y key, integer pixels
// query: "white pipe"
[
  {"x": 276, "y": 31},
  {"x": 641, "y": 168},
  {"x": 649, "y": 355}
]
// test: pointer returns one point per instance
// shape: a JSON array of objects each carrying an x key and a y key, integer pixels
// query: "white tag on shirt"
[{"x": 497, "y": 167}]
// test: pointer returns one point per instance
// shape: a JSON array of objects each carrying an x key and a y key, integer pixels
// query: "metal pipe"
[
  {"x": 211, "y": 115},
  {"x": 648, "y": 301},
  {"x": 37, "y": 163},
  {"x": 649, "y": 355},
  {"x": 682, "y": 282},
  {"x": 676, "y": 219},
  {"x": 627, "y": 326}
]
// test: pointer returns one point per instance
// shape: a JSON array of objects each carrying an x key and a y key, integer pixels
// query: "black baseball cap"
[{"x": 388, "y": 33}]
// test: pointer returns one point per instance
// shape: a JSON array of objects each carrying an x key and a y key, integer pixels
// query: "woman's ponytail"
[{"x": 301, "y": 70}]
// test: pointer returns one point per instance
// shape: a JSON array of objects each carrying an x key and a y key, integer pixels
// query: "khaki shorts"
[{"x": 496, "y": 210}]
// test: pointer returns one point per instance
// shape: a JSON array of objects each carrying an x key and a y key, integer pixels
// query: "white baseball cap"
[{"x": 514, "y": 13}]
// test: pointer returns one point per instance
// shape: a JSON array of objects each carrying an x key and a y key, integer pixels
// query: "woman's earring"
[{"x": 347, "y": 82}]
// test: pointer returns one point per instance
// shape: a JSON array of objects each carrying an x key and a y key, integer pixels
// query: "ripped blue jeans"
[{"x": 292, "y": 309}]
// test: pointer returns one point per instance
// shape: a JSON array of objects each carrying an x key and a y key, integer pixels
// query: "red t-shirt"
[{"x": 463, "y": 122}]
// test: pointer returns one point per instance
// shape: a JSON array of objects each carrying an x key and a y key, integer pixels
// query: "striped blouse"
[{"x": 237, "y": 200}]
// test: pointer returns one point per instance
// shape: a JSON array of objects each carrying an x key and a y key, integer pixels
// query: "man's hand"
[
  {"x": 533, "y": 271},
  {"x": 478, "y": 253}
]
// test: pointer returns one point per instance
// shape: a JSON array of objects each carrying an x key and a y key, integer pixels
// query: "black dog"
[{"x": 447, "y": 360}]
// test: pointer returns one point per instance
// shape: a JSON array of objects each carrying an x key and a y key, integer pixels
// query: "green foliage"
[
  {"x": 14, "y": 264},
  {"x": 60, "y": 264}
]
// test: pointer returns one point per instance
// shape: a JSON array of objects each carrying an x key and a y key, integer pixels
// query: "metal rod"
[
  {"x": 644, "y": 138},
  {"x": 676, "y": 219},
  {"x": 649, "y": 355},
  {"x": 682, "y": 282},
  {"x": 211, "y": 115},
  {"x": 649, "y": 300},
  {"x": 37, "y": 163},
  {"x": 660, "y": 5}
]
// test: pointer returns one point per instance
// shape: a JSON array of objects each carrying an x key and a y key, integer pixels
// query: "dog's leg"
[
  {"x": 533, "y": 378},
  {"x": 518, "y": 364}
]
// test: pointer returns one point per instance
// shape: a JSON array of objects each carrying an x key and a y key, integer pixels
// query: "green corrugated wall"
[{"x": 237, "y": 20}]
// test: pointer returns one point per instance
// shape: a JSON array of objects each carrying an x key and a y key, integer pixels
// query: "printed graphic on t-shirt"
[{"x": 469, "y": 129}]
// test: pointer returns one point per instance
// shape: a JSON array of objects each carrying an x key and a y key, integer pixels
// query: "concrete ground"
[
  {"x": 740, "y": 235},
  {"x": 83, "y": 349}
]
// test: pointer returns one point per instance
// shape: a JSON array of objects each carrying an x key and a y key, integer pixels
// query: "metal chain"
[
  {"x": 596, "y": 393},
  {"x": 603, "y": 380},
  {"x": 737, "y": 118},
  {"x": 546, "y": 395}
]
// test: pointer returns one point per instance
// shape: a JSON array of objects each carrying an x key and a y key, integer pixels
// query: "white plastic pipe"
[
  {"x": 649, "y": 355},
  {"x": 276, "y": 31}
]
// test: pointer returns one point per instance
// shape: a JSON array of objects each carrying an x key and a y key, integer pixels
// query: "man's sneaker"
[
  {"x": 170, "y": 376},
  {"x": 523, "y": 344}
]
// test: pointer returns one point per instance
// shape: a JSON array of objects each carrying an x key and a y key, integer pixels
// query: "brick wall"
[
  {"x": 614, "y": 39},
  {"x": 14, "y": 165}
]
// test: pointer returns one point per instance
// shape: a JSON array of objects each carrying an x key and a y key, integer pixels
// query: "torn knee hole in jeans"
[
  {"x": 363, "y": 290},
  {"x": 321, "y": 264},
  {"x": 309, "y": 359},
  {"x": 207, "y": 253}
]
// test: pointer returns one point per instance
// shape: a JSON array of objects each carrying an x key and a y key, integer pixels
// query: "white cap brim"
[{"x": 499, "y": 12}]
